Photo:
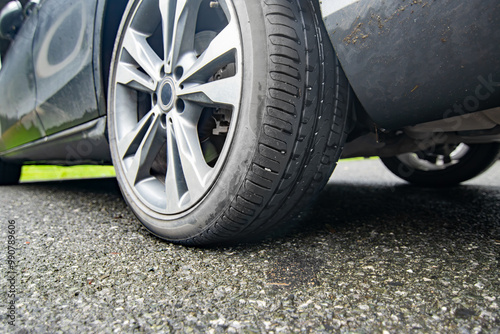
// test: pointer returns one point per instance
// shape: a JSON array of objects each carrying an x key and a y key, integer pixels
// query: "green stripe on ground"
[{"x": 46, "y": 173}]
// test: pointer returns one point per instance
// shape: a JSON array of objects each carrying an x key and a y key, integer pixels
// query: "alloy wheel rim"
[
  {"x": 435, "y": 161},
  {"x": 177, "y": 92}
]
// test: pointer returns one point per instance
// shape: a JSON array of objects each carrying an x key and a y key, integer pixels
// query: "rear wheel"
[
  {"x": 224, "y": 116},
  {"x": 9, "y": 173},
  {"x": 444, "y": 165}
]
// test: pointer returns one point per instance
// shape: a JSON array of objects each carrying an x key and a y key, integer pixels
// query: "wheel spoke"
[
  {"x": 130, "y": 76},
  {"x": 179, "y": 29},
  {"x": 194, "y": 167},
  {"x": 167, "y": 10},
  {"x": 220, "y": 52},
  {"x": 143, "y": 143},
  {"x": 137, "y": 46},
  {"x": 175, "y": 181},
  {"x": 219, "y": 93},
  {"x": 192, "y": 113}
]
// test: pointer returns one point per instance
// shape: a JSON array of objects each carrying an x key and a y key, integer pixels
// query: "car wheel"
[
  {"x": 9, "y": 173},
  {"x": 224, "y": 116},
  {"x": 444, "y": 165}
]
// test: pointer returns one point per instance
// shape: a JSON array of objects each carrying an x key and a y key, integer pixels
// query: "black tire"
[
  {"x": 477, "y": 159},
  {"x": 9, "y": 173},
  {"x": 285, "y": 142}
]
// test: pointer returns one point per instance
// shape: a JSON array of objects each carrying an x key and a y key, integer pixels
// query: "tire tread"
[{"x": 304, "y": 125}]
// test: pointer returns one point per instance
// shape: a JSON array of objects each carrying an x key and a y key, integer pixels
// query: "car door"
[
  {"x": 63, "y": 54},
  {"x": 19, "y": 123}
]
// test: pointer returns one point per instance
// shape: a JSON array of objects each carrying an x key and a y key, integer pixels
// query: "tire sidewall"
[{"x": 242, "y": 147}]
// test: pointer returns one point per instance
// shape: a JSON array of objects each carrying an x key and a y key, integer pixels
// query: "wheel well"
[{"x": 112, "y": 17}]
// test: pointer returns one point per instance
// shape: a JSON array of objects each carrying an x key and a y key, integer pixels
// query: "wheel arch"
[{"x": 108, "y": 17}]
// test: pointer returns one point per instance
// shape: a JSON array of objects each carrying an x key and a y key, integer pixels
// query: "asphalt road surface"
[{"x": 373, "y": 255}]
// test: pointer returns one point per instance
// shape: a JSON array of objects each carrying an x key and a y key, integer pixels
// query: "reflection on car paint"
[
  {"x": 66, "y": 95},
  {"x": 43, "y": 67}
]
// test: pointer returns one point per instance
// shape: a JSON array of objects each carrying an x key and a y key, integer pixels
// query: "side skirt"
[{"x": 83, "y": 144}]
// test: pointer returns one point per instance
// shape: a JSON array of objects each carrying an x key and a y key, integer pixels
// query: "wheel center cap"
[{"x": 166, "y": 95}]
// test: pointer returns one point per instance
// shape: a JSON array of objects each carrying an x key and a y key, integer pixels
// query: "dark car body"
[
  {"x": 411, "y": 62},
  {"x": 52, "y": 83}
]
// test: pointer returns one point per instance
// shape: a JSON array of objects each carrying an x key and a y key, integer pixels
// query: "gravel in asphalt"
[{"x": 373, "y": 255}]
